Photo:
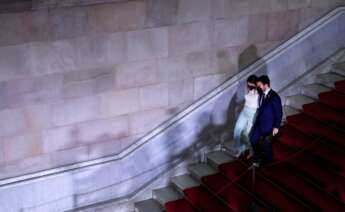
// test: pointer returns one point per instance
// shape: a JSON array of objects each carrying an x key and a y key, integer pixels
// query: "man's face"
[{"x": 261, "y": 86}]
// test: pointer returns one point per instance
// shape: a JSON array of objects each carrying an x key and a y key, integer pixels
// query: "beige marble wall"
[{"x": 81, "y": 82}]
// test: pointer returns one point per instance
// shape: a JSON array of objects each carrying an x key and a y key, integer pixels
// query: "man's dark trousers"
[
  {"x": 262, "y": 146},
  {"x": 269, "y": 116}
]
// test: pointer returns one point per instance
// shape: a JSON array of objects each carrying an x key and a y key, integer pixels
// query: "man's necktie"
[{"x": 262, "y": 99}]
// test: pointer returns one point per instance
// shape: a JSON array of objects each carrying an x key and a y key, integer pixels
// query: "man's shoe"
[{"x": 256, "y": 164}]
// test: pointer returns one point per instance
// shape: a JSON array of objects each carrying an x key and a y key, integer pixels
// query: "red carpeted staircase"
[{"x": 308, "y": 172}]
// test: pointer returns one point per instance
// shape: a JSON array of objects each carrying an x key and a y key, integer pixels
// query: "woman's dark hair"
[
  {"x": 252, "y": 79},
  {"x": 265, "y": 80}
]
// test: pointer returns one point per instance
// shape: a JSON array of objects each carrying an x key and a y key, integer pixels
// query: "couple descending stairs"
[{"x": 308, "y": 173}]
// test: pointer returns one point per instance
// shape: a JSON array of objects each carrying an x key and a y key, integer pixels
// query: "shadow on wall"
[
  {"x": 208, "y": 138},
  {"x": 247, "y": 57}
]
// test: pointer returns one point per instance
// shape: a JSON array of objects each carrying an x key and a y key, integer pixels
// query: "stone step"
[
  {"x": 149, "y": 205},
  {"x": 328, "y": 79},
  {"x": 297, "y": 101},
  {"x": 313, "y": 90},
  {"x": 340, "y": 66},
  {"x": 228, "y": 146},
  {"x": 339, "y": 70},
  {"x": 166, "y": 194},
  {"x": 218, "y": 157},
  {"x": 289, "y": 111},
  {"x": 200, "y": 170},
  {"x": 183, "y": 182}
]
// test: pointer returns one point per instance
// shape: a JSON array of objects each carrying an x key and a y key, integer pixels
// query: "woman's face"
[{"x": 251, "y": 86}]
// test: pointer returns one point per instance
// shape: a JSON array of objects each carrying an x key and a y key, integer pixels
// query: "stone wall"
[{"x": 78, "y": 83}]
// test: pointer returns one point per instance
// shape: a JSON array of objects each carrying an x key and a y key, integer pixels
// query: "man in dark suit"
[{"x": 267, "y": 122}]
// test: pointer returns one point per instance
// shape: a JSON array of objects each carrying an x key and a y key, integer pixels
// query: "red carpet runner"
[{"x": 308, "y": 173}]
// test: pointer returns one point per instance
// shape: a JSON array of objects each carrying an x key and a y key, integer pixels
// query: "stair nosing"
[{"x": 158, "y": 194}]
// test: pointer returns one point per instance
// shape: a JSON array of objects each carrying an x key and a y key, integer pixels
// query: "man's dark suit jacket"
[{"x": 270, "y": 112}]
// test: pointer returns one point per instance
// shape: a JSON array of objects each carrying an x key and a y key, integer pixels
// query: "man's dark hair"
[
  {"x": 264, "y": 79},
  {"x": 252, "y": 79}
]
